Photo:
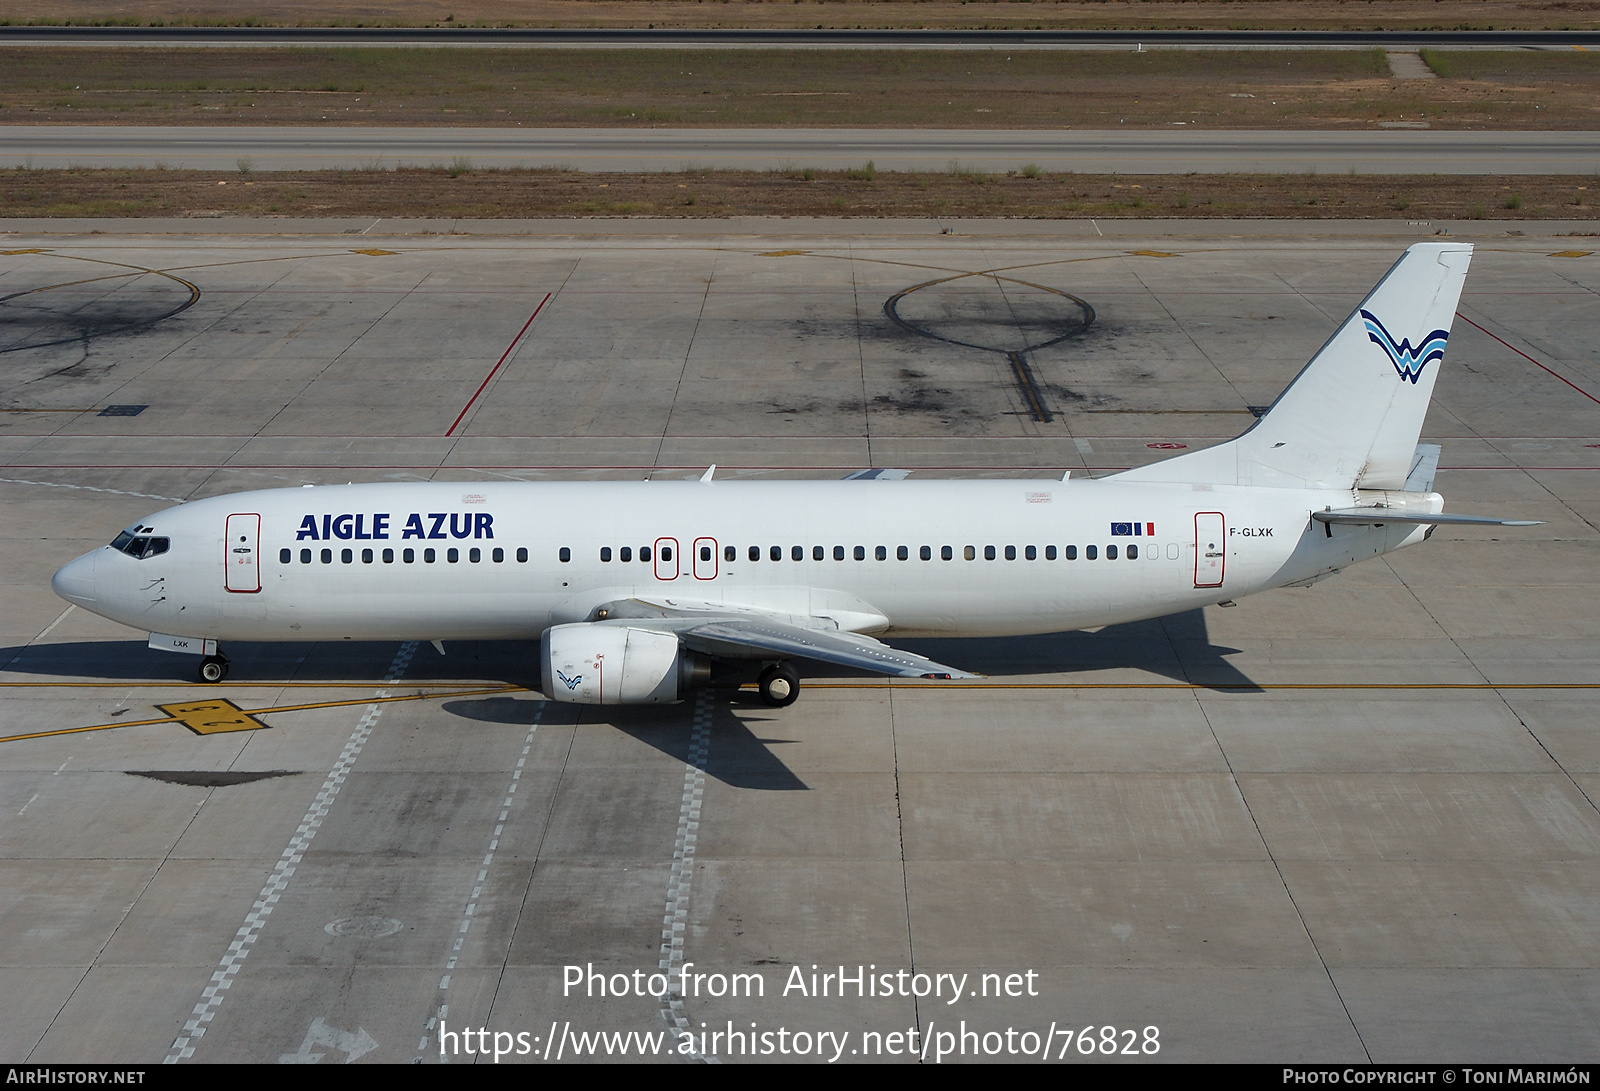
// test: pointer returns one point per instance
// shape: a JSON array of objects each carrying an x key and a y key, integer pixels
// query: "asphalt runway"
[
  {"x": 1086, "y": 151},
  {"x": 1347, "y": 822}
]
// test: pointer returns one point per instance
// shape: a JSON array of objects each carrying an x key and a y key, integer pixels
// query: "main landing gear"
[
  {"x": 214, "y": 668},
  {"x": 778, "y": 685}
]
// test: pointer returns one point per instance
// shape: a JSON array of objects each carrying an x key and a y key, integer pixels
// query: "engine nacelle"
[{"x": 591, "y": 664}]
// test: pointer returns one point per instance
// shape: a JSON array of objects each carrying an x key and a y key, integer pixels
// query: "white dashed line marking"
[
  {"x": 212, "y": 995},
  {"x": 676, "y": 920}
]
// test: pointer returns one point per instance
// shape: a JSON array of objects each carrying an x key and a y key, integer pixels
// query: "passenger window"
[
  {"x": 1172, "y": 551},
  {"x": 474, "y": 554},
  {"x": 366, "y": 556},
  {"x": 817, "y": 553},
  {"x": 988, "y": 553},
  {"x": 926, "y": 553},
  {"x": 1072, "y": 553},
  {"x": 776, "y": 553},
  {"x": 1089, "y": 553},
  {"x": 705, "y": 553},
  {"x": 1031, "y": 553},
  {"x": 755, "y": 553},
  {"x": 1111, "y": 552},
  {"x": 565, "y": 554},
  {"x": 730, "y": 553},
  {"x": 428, "y": 555},
  {"x": 1133, "y": 552},
  {"x": 409, "y": 556},
  {"x": 285, "y": 556},
  {"x": 838, "y": 553},
  {"x": 901, "y": 552},
  {"x": 625, "y": 553},
  {"x": 388, "y": 556},
  {"x": 605, "y": 554},
  {"x": 1049, "y": 553},
  {"x": 666, "y": 553},
  {"x": 644, "y": 554},
  {"x": 452, "y": 555},
  {"x": 861, "y": 553},
  {"x": 970, "y": 553},
  {"x": 881, "y": 552},
  {"x": 946, "y": 553},
  {"x": 522, "y": 554},
  {"x": 305, "y": 556},
  {"x": 347, "y": 556},
  {"x": 327, "y": 556},
  {"x": 499, "y": 555},
  {"x": 1011, "y": 553},
  {"x": 798, "y": 553}
]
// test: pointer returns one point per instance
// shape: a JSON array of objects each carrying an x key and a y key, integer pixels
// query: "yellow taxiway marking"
[
  {"x": 1572, "y": 253},
  {"x": 212, "y": 717},
  {"x": 376, "y": 253},
  {"x": 208, "y": 710},
  {"x": 236, "y": 685}
]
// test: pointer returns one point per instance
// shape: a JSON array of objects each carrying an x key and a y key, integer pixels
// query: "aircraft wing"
[
  {"x": 736, "y": 638},
  {"x": 754, "y": 632}
]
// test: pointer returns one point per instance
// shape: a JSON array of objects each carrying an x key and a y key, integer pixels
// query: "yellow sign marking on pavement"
[
  {"x": 1572, "y": 253},
  {"x": 375, "y": 253},
  {"x": 1151, "y": 254},
  {"x": 34, "y": 250},
  {"x": 212, "y": 717},
  {"x": 220, "y": 709}
]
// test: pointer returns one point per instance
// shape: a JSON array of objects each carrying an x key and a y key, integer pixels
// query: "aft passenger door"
[
  {"x": 1210, "y": 548},
  {"x": 241, "y": 554}
]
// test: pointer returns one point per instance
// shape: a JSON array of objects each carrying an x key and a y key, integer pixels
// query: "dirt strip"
[
  {"x": 461, "y": 192},
  {"x": 830, "y": 14}
]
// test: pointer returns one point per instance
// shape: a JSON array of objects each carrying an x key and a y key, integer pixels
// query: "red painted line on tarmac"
[
  {"x": 504, "y": 356},
  {"x": 1528, "y": 358}
]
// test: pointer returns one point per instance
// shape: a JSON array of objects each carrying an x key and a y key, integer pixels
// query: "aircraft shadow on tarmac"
[{"x": 1177, "y": 646}]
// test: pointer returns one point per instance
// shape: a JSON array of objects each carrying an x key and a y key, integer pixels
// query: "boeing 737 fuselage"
[{"x": 635, "y": 588}]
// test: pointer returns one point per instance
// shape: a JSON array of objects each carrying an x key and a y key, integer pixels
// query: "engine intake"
[{"x": 594, "y": 664}]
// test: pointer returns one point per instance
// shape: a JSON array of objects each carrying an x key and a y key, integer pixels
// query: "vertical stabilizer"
[{"x": 1352, "y": 416}]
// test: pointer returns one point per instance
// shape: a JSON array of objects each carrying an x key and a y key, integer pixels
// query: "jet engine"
[{"x": 595, "y": 664}]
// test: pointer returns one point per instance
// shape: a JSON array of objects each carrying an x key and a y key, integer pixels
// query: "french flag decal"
[{"x": 1133, "y": 530}]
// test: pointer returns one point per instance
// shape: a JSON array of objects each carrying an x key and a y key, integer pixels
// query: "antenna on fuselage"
[{"x": 705, "y": 478}]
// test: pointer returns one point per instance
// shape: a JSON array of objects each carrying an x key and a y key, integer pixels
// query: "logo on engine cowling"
[{"x": 570, "y": 683}]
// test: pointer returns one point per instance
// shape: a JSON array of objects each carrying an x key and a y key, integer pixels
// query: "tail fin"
[{"x": 1352, "y": 416}]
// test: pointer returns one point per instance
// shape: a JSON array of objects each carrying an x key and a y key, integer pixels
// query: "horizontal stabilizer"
[{"x": 1372, "y": 517}]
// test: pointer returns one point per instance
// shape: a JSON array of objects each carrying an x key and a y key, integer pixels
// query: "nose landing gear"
[
  {"x": 214, "y": 668},
  {"x": 778, "y": 685}
]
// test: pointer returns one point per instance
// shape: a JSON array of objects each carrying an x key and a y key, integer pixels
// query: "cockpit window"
[{"x": 140, "y": 547}]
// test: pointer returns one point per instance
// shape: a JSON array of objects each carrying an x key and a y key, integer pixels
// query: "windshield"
[{"x": 140, "y": 546}]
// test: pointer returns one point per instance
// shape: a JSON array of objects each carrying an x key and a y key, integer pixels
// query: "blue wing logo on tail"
[
  {"x": 570, "y": 683},
  {"x": 1407, "y": 361}
]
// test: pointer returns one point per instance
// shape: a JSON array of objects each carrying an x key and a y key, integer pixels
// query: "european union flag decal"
[{"x": 1133, "y": 530}]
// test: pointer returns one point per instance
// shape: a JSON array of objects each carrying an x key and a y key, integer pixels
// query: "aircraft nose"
[{"x": 75, "y": 580}]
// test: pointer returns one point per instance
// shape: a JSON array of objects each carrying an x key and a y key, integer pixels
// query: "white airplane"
[{"x": 634, "y": 588}]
